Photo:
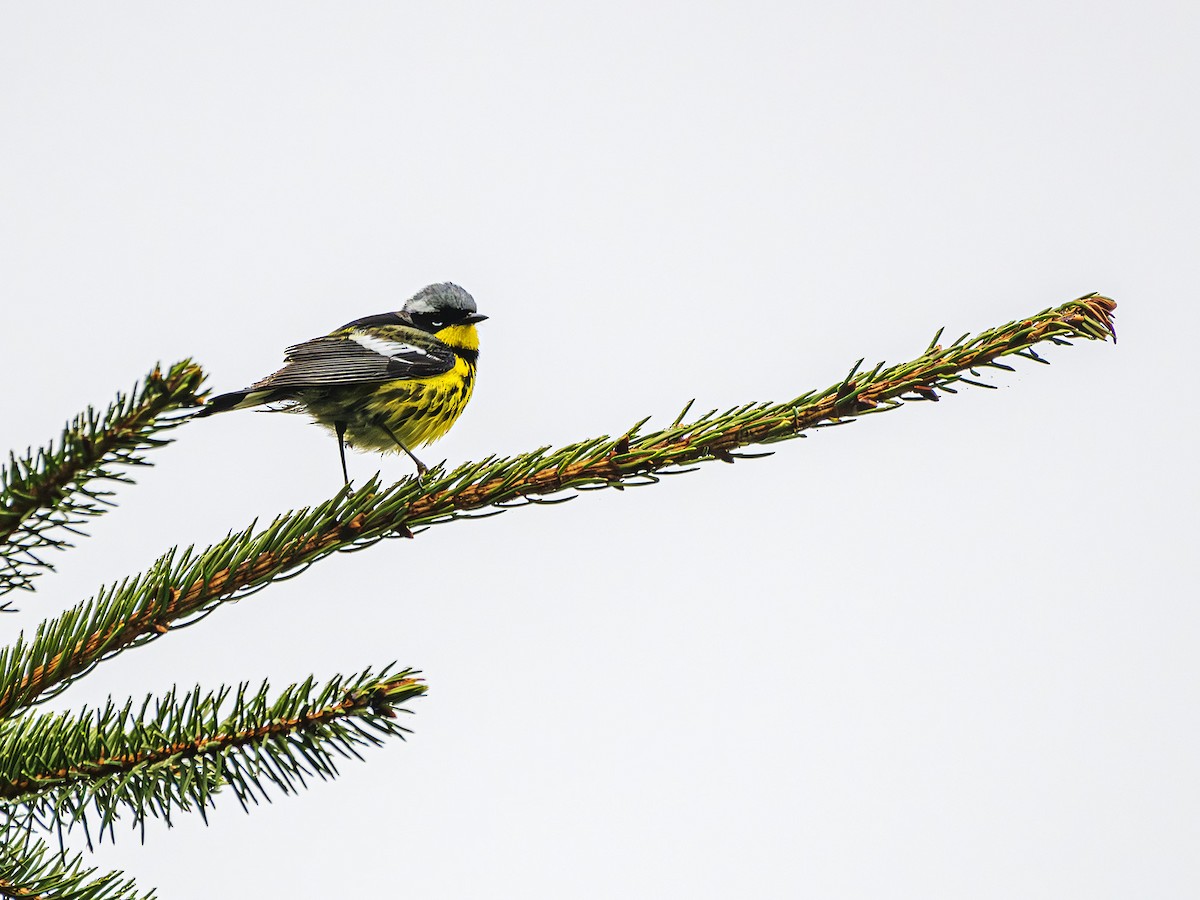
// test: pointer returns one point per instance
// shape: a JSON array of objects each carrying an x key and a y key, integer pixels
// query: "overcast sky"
[{"x": 950, "y": 651}]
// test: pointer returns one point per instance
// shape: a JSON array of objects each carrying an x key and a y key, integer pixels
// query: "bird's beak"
[{"x": 473, "y": 318}]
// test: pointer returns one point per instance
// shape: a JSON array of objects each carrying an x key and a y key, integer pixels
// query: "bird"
[{"x": 392, "y": 381}]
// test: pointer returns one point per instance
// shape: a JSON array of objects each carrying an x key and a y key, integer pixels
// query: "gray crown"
[{"x": 440, "y": 297}]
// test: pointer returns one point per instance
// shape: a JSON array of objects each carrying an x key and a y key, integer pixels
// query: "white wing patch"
[{"x": 385, "y": 347}]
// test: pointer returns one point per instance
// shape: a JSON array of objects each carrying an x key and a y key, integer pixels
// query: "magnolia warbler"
[{"x": 388, "y": 382}]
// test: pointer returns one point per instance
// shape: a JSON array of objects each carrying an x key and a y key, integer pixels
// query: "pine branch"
[
  {"x": 30, "y": 871},
  {"x": 48, "y": 493},
  {"x": 182, "y": 587},
  {"x": 60, "y": 770}
]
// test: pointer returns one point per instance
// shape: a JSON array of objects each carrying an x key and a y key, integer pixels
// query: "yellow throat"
[{"x": 459, "y": 337}]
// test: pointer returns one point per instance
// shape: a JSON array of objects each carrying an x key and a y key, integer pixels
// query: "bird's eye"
[{"x": 438, "y": 323}]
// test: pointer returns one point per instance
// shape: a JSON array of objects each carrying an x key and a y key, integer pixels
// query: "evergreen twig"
[
  {"x": 182, "y": 586},
  {"x": 48, "y": 493},
  {"x": 177, "y": 751},
  {"x": 29, "y": 870}
]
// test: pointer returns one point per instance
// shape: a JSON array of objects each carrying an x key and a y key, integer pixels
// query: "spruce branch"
[
  {"x": 30, "y": 871},
  {"x": 183, "y": 586},
  {"x": 46, "y": 494},
  {"x": 176, "y": 752}
]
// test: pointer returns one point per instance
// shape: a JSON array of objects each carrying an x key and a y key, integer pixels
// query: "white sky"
[{"x": 948, "y": 651}]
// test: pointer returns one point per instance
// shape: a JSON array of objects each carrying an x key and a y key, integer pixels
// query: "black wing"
[
  {"x": 359, "y": 357},
  {"x": 388, "y": 318}
]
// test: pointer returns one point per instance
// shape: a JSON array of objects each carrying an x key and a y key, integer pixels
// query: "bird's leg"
[
  {"x": 340, "y": 428},
  {"x": 421, "y": 470}
]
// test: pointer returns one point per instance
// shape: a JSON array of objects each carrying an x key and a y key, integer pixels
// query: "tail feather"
[{"x": 234, "y": 400}]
